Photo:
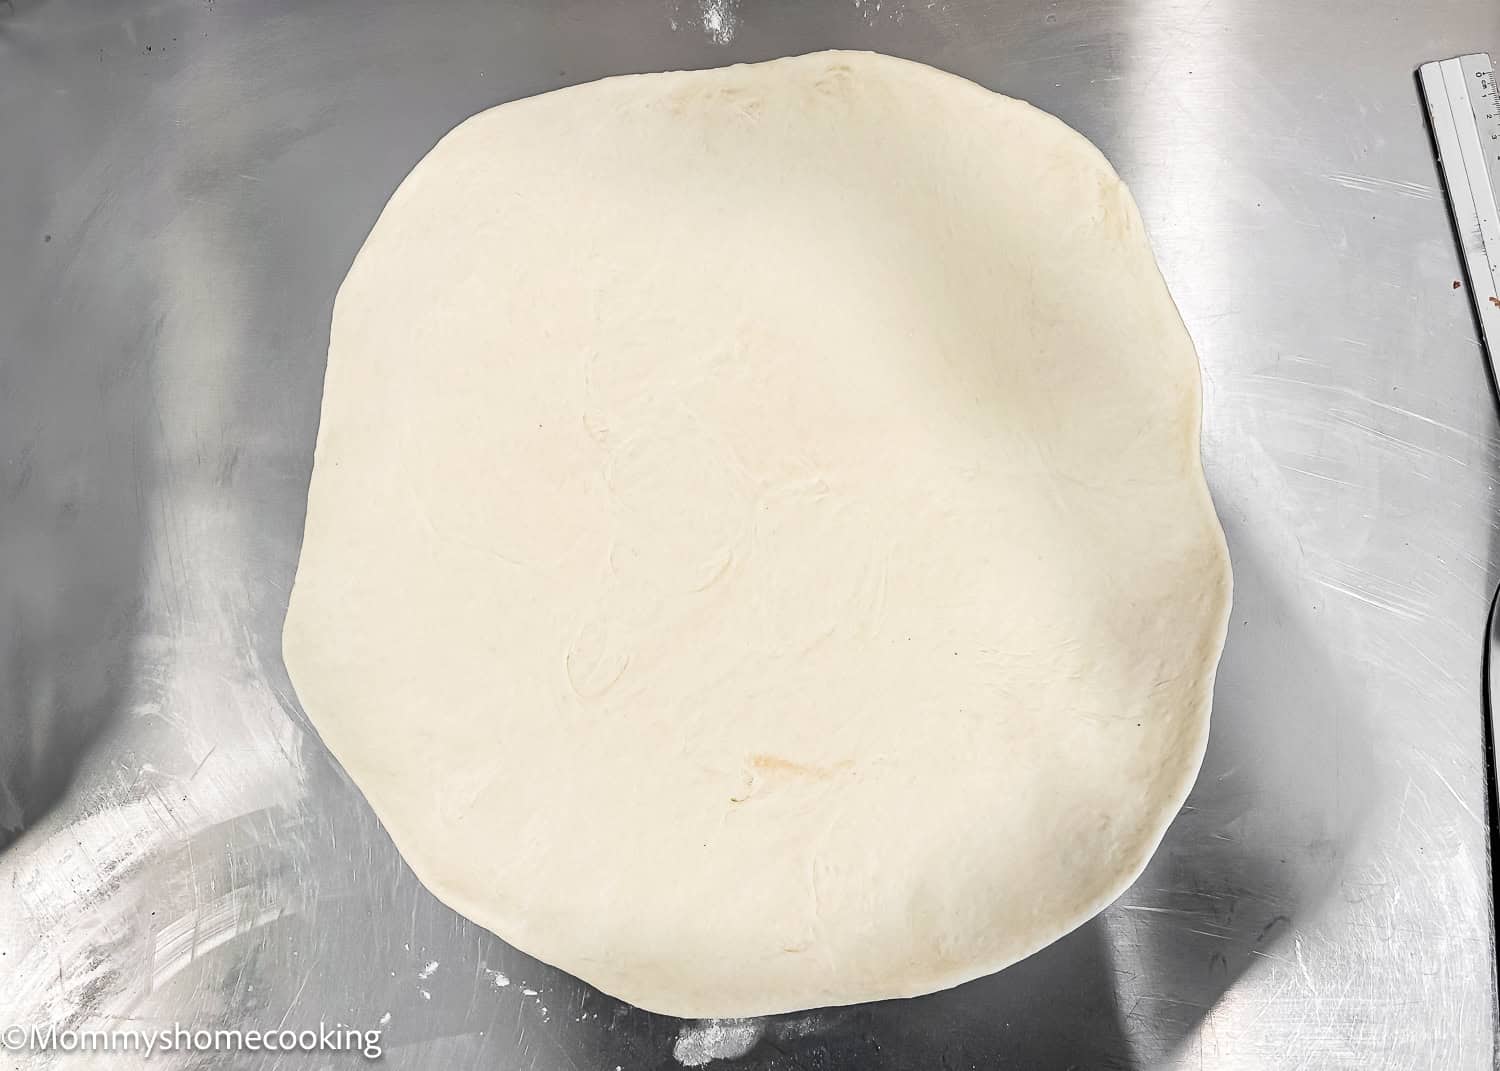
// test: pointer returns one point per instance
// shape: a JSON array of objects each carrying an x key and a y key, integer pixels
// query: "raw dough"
[{"x": 758, "y": 555}]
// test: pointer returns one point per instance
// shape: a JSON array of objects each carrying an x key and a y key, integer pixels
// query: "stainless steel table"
[{"x": 184, "y": 182}]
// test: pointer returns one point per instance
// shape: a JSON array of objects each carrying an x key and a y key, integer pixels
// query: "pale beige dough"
[{"x": 758, "y": 555}]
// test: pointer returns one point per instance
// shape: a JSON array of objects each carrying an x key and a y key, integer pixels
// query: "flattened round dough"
[{"x": 758, "y": 555}]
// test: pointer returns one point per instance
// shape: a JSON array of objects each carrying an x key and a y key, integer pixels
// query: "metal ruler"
[{"x": 1463, "y": 105}]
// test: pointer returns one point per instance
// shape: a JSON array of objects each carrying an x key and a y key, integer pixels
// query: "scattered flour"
[{"x": 716, "y": 1039}]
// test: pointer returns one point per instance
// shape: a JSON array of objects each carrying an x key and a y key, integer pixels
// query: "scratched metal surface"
[{"x": 184, "y": 182}]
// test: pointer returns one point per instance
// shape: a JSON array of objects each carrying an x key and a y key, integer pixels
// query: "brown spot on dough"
[
  {"x": 776, "y": 764},
  {"x": 768, "y": 771}
]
